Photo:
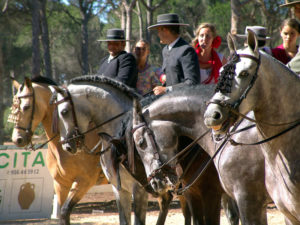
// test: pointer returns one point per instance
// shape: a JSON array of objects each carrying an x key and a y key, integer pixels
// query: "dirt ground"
[{"x": 100, "y": 209}]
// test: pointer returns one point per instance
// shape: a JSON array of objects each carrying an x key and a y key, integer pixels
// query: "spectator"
[
  {"x": 180, "y": 62},
  {"x": 289, "y": 32},
  {"x": 148, "y": 75},
  {"x": 210, "y": 61},
  {"x": 119, "y": 64},
  {"x": 294, "y": 64},
  {"x": 261, "y": 33}
]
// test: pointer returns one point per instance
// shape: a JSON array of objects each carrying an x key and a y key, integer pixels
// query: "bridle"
[
  {"x": 77, "y": 135},
  {"x": 15, "y": 114},
  {"x": 225, "y": 83},
  {"x": 224, "y": 86}
]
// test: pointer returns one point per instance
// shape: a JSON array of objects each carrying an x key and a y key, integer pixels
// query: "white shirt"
[{"x": 170, "y": 46}]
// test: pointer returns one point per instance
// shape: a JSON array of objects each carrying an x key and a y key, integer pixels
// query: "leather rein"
[{"x": 232, "y": 107}]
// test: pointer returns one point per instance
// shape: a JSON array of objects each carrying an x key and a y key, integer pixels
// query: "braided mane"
[
  {"x": 100, "y": 79},
  {"x": 43, "y": 80}
]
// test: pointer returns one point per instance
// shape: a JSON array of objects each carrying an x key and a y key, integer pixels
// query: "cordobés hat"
[
  {"x": 261, "y": 32},
  {"x": 291, "y": 4},
  {"x": 114, "y": 34},
  {"x": 166, "y": 20}
]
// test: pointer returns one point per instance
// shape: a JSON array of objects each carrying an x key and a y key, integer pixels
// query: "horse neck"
[
  {"x": 187, "y": 112},
  {"x": 277, "y": 99},
  {"x": 104, "y": 97},
  {"x": 43, "y": 95}
]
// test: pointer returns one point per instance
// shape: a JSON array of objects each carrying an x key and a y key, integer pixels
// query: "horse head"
[
  {"x": 237, "y": 78},
  {"x": 66, "y": 119},
  {"x": 161, "y": 178},
  {"x": 22, "y": 113}
]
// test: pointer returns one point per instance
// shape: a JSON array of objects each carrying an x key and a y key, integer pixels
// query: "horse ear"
[
  {"x": 230, "y": 43},
  {"x": 54, "y": 90},
  {"x": 252, "y": 41},
  {"x": 28, "y": 82},
  {"x": 137, "y": 111},
  {"x": 16, "y": 84}
]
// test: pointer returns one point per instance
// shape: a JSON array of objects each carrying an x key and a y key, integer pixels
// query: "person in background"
[
  {"x": 119, "y": 64},
  {"x": 205, "y": 43},
  {"x": 289, "y": 32},
  {"x": 294, "y": 64},
  {"x": 180, "y": 61},
  {"x": 261, "y": 34},
  {"x": 148, "y": 75}
]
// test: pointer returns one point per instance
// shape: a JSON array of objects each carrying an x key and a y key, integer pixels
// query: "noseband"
[
  {"x": 227, "y": 75},
  {"x": 14, "y": 117},
  {"x": 77, "y": 136}
]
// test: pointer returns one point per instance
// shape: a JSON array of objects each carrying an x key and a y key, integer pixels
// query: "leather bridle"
[{"x": 235, "y": 105}]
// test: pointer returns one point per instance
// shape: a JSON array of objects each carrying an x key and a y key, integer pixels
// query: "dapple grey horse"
[
  {"x": 179, "y": 115},
  {"x": 255, "y": 81},
  {"x": 98, "y": 99}
]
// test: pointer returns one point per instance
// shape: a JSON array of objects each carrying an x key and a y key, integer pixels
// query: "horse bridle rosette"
[{"x": 225, "y": 83}]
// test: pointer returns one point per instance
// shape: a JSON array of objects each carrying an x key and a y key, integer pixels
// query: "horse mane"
[
  {"x": 43, "y": 80},
  {"x": 101, "y": 79}
]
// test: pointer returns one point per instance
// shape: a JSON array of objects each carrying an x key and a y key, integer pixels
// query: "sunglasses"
[{"x": 140, "y": 48}]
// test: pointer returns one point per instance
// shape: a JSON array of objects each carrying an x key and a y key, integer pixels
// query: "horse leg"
[
  {"x": 77, "y": 191},
  {"x": 231, "y": 210},
  {"x": 123, "y": 199},
  {"x": 185, "y": 210},
  {"x": 195, "y": 205},
  {"x": 164, "y": 202},
  {"x": 140, "y": 204}
]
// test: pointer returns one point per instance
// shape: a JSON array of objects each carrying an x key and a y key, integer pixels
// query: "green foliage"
[{"x": 8, "y": 127}]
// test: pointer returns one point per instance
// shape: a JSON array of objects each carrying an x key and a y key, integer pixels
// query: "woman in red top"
[
  {"x": 205, "y": 43},
  {"x": 289, "y": 32}
]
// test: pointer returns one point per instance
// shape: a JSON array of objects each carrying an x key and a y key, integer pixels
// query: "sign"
[{"x": 26, "y": 187}]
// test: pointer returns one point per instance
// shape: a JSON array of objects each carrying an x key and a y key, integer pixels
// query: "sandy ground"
[{"x": 100, "y": 209}]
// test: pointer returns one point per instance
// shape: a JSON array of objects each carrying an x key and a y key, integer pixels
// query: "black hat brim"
[{"x": 166, "y": 24}]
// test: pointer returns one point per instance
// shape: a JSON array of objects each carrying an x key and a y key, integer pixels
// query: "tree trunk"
[
  {"x": 128, "y": 9},
  {"x": 149, "y": 21},
  {"x": 85, "y": 45},
  {"x": 2, "y": 107},
  {"x": 140, "y": 18},
  {"x": 123, "y": 17},
  {"x": 45, "y": 40},
  {"x": 36, "y": 57}
]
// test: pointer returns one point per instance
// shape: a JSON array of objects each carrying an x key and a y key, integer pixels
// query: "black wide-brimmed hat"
[
  {"x": 167, "y": 20},
  {"x": 261, "y": 32},
  {"x": 290, "y": 3},
  {"x": 114, "y": 34}
]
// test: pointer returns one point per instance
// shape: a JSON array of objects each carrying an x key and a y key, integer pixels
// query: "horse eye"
[
  {"x": 26, "y": 107},
  {"x": 64, "y": 112},
  {"x": 244, "y": 73}
]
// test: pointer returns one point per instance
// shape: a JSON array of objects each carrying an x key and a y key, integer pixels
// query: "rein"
[
  {"x": 78, "y": 136},
  {"x": 232, "y": 107}
]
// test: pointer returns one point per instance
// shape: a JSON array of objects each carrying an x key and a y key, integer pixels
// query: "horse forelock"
[{"x": 101, "y": 79}]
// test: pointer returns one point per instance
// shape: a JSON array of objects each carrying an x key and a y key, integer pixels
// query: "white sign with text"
[{"x": 26, "y": 187}]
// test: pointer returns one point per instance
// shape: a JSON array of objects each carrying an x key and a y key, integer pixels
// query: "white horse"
[
  {"x": 177, "y": 117},
  {"x": 253, "y": 80},
  {"x": 98, "y": 99}
]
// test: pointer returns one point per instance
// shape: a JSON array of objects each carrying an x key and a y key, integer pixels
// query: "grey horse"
[
  {"x": 178, "y": 116},
  {"x": 255, "y": 81},
  {"x": 98, "y": 99}
]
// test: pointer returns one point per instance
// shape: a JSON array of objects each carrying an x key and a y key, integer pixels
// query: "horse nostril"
[
  {"x": 19, "y": 141},
  {"x": 216, "y": 115}
]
